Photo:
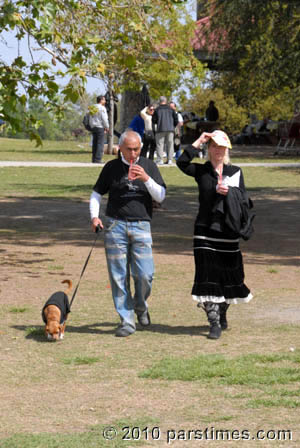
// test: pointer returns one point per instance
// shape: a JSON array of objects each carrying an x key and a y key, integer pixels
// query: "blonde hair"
[{"x": 226, "y": 159}]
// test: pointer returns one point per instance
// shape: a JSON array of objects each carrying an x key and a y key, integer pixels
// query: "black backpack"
[{"x": 86, "y": 122}]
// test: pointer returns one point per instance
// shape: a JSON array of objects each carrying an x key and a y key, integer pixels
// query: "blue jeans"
[
  {"x": 128, "y": 248},
  {"x": 98, "y": 144}
]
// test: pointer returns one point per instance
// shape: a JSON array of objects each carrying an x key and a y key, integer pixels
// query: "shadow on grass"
[
  {"x": 44, "y": 222},
  {"x": 192, "y": 330},
  {"x": 36, "y": 332}
]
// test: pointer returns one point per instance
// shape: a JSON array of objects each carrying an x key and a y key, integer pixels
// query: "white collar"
[{"x": 127, "y": 163}]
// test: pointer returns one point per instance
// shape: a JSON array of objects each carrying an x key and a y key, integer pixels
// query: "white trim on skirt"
[{"x": 214, "y": 299}]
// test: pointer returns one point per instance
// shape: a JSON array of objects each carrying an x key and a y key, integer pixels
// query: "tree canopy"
[
  {"x": 262, "y": 47},
  {"x": 135, "y": 40}
]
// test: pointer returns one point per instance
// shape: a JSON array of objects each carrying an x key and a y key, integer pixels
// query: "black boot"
[
  {"x": 223, "y": 319},
  {"x": 215, "y": 331},
  {"x": 213, "y": 316}
]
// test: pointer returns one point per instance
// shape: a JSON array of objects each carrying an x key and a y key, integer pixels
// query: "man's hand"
[
  {"x": 138, "y": 172},
  {"x": 95, "y": 223}
]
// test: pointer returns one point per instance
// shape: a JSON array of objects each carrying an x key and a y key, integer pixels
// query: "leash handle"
[
  {"x": 98, "y": 231},
  {"x": 98, "y": 228}
]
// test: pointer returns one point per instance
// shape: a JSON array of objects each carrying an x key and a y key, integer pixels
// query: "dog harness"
[{"x": 59, "y": 299}]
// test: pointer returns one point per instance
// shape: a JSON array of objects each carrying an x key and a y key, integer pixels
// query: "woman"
[
  {"x": 149, "y": 143},
  {"x": 219, "y": 273}
]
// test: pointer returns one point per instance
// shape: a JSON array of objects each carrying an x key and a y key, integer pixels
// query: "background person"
[
  {"x": 128, "y": 240},
  {"x": 165, "y": 120},
  {"x": 212, "y": 113},
  {"x": 178, "y": 131},
  {"x": 149, "y": 143},
  {"x": 219, "y": 272},
  {"x": 99, "y": 124}
]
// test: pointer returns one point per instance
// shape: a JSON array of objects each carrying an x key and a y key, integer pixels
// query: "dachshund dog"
[{"x": 55, "y": 313}]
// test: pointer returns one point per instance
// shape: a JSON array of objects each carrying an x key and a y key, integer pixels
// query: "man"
[
  {"x": 149, "y": 143},
  {"x": 132, "y": 182},
  {"x": 165, "y": 120},
  {"x": 178, "y": 131},
  {"x": 99, "y": 125}
]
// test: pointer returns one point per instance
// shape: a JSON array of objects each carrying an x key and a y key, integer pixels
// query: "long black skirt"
[{"x": 219, "y": 271}]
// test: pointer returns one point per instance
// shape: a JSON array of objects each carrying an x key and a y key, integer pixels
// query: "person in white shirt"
[
  {"x": 149, "y": 143},
  {"x": 99, "y": 126},
  {"x": 178, "y": 131}
]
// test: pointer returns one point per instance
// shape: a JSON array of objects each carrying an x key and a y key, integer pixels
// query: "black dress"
[{"x": 219, "y": 271}]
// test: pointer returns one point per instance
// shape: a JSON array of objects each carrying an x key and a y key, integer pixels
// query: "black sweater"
[
  {"x": 127, "y": 201},
  {"x": 207, "y": 179},
  {"x": 59, "y": 299}
]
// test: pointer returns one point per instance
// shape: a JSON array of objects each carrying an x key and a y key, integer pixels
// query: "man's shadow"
[{"x": 36, "y": 332}]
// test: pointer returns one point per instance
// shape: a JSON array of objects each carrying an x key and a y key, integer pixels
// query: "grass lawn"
[
  {"x": 167, "y": 385},
  {"x": 80, "y": 151}
]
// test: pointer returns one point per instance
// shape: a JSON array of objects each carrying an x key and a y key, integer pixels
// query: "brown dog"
[{"x": 55, "y": 313}]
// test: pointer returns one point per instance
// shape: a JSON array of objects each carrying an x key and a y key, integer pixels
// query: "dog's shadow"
[{"x": 37, "y": 333}]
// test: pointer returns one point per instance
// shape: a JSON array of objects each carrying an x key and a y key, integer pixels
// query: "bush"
[{"x": 232, "y": 117}]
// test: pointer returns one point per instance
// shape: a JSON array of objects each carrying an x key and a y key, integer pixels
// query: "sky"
[{"x": 10, "y": 49}]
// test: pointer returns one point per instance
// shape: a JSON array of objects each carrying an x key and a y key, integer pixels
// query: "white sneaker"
[
  {"x": 159, "y": 162},
  {"x": 170, "y": 162}
]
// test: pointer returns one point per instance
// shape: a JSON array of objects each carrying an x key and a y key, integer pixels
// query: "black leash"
[{"x": 98, "y": 230}]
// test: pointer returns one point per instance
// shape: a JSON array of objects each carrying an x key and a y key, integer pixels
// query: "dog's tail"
[{"x": 70, "y": 284}]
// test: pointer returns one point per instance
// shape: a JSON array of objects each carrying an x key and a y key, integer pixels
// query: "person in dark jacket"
[
  {"x": 164, "y": 120},
  {"x": 212, "y": 113},
  {"x": 219, "y": 272}
]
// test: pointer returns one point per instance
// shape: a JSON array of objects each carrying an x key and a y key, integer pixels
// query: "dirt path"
[{"x": 46, "y": 241}]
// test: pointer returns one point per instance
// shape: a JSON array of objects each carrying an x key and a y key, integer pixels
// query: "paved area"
[
  {"x": 237, "y": 151},
  {"x": 86, "y": 165},
  {"x": 50, "y": 164}
]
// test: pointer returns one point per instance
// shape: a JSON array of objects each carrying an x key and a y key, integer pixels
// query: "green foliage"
[
  {"x": 87, "y": 38},
  {"x": 232, "y": 117},
  {"x": 279, "y": 106},
  {"x": 259, "y": 45},
  {"x": 50, "y": 126}
]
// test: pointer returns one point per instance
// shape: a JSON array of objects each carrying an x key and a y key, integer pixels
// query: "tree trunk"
[
  {"x": 110, "y": 141},
  {"x": 131, "y": 105}
]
